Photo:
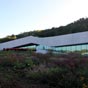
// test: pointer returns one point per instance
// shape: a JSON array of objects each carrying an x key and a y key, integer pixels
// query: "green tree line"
[
  {"x": 80, "y": 25},
  {"x": 77, "y": 26}
]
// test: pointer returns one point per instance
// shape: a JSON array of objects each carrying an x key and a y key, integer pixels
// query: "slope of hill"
[
  {"x": 77, "y": 26},
  {"x": 80, "y": 25}
]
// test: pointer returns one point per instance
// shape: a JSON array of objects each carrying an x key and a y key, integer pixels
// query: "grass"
[{"x": 25, "y": 69}]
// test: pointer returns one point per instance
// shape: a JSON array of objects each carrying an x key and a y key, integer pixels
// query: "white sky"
[{"x": 17, "y": 16}]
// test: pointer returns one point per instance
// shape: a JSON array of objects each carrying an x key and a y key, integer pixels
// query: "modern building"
[{"x": 76, "y": 42}]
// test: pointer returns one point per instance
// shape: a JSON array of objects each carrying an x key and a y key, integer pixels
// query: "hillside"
[
  {"x": 80, "y": 25},
  {"x": 77, "y": 26}
]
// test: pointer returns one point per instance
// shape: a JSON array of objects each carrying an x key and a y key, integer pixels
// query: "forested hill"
[
  {"x": 77, "y": 26},
  {"x": 80, "y": 25}
]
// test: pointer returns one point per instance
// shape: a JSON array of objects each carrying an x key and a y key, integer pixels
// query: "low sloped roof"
[{"x": 62, "y": 40}]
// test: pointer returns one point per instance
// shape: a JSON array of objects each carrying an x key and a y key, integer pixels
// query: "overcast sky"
[{"x": 17, "y": 16}]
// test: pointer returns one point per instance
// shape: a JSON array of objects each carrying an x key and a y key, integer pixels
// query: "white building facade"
[{"x": 63, "y": 43}]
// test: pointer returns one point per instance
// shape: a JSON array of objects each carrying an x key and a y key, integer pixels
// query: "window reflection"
[{"x": 80, "y": 48}]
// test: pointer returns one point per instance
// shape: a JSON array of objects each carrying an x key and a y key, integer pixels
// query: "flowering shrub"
[{"x": 42, "y": 70}]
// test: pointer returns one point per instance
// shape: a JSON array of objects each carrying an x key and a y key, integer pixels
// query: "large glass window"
[
  {"x": 69, "y": 48},
  {"x": 34, "y": 46},
  {"x": 87, "y": 47},
  {"x": 78, "y": 47},
  {"x": 73, "y": 48},
  {"x": 64, "y": 49},
  {"x": 81, "y": 48},
  {"x": 59, "y": 49},
  {"x": 84, "y": 47},
  {"x": 40, "y": 47}
]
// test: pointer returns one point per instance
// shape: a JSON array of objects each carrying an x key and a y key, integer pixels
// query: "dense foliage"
[
  {"x": 8, "y": 38},
  {"x": 77, "y": 26},
  {"x": 80, "y": 25},
  {"x": 35, "y": 70}
]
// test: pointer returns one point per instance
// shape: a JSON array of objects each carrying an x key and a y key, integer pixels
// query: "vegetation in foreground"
[{"x": 34, "y": 70}]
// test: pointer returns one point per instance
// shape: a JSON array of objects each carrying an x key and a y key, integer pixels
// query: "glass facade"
[
  {"x": 33, "y": 46},
  {"x": 73, "y": 48}
]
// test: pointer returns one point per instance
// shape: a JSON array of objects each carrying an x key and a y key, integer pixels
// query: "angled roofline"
[{"x": 61, "y": 40}]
